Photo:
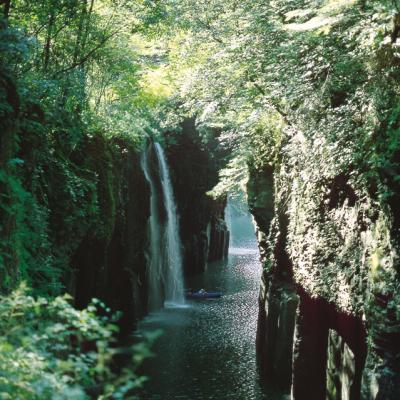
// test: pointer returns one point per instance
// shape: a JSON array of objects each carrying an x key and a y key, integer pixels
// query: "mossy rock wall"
[
  {"x": 332, "y": 244},
  {"x": 75, "y": 208},
  {"x": 110, "y": 261},
  {"x": 194, "y": 171}
]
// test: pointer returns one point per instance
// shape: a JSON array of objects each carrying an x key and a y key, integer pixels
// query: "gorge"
[{"x": 149, "y": 148}]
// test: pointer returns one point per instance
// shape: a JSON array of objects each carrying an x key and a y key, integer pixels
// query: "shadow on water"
[{"x": 207, "y": 350}]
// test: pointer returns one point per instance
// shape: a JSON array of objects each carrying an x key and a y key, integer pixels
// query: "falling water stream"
[
  {"x": 171, "y": 241},
  {"x": 165, "y": 259}
]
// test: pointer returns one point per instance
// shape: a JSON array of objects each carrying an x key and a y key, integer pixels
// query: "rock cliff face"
[
  {"x": 194, "y": 169},
  {"x": 329, "y": 323},
  {"x": 73, "y": 210},
  {"x": 110, "y": 261}
]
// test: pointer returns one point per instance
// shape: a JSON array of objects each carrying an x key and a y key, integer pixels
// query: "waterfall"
[
  {"x": 155, "y": 276},
  {"x": 172, "y": 242},
  {"x": 165, "y": 258}
]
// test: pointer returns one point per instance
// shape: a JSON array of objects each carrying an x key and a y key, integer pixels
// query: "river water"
[{"x": 207, "y": 349}]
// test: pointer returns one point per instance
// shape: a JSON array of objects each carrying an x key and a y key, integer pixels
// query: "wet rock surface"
[
  {"x": 331, "y": 245},
  {"x": 194, "y": 170},
  {"x": 110, "y": 261}
]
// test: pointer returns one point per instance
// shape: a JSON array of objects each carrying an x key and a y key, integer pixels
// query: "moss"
[
  {"x": 61, "y": 196},
  {"x": 337, "y": 187},
  {"x": 101, "y": 158},
  {"x": 194, "y": 168}
]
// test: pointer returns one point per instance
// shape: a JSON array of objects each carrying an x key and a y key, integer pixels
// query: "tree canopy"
[{"x": 292, "y": 86}]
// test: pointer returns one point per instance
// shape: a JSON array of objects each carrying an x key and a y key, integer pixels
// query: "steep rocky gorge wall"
[
  {"x": 75, "y": 211},
  {"x": 194, "y": 168},
  {"x": 110, "y": 260},
  {"x": 329, "y": 323}
]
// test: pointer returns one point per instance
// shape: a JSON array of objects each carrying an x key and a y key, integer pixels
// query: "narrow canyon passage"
[
  {"x": 207, "y": 349},
  {"x": 142, "y": 145}
]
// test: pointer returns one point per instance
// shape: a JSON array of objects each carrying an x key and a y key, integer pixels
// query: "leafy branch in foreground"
[{"x": 50, "y": 350}]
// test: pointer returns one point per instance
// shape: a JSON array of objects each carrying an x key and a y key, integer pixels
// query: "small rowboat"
[{"x": 202, "y": 294}]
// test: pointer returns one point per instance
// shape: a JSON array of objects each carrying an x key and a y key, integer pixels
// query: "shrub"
[{"x": 50, "y": 350}]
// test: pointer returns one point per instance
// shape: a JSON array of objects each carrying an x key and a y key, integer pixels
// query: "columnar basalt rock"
[
  {"x": 194, "y": 172},
  {"x": 278, "y": 298},
  {"x": 276, "y": 322},
  {"x": 310, "y": 352},
  {"x": 341, "y": 368},
  {"x": 110, "y": 261},
  {"x": 260, "y": 197},
  {"x": 329, "y": 257},
  {"x": 217, "y": 232},
  {"x": 84, "y": 209}
]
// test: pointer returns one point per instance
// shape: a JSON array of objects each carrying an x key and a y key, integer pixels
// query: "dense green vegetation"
[
  {"x": 72, "y": 71},
  {"x": 70, "y": 79},
  {"x": 73, "y": 102},
  {"x": 49, "y": 350},
  {"x": 300, "y": 87},
  {"x": 257, "y": 68}
]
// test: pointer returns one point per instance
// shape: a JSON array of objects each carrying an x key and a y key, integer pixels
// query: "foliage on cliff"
[
  {"x": 310, "y": 89},
  {"x": 253, "y": 67},
  {"x": 74, "y": 98},
  {"x": 299, "y": 79},
  {"x": 307, "y": 88},
  {"x": 73, "y": 110}
]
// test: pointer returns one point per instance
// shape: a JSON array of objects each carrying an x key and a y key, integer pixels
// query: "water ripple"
[{"x": 207, "y": 350}]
